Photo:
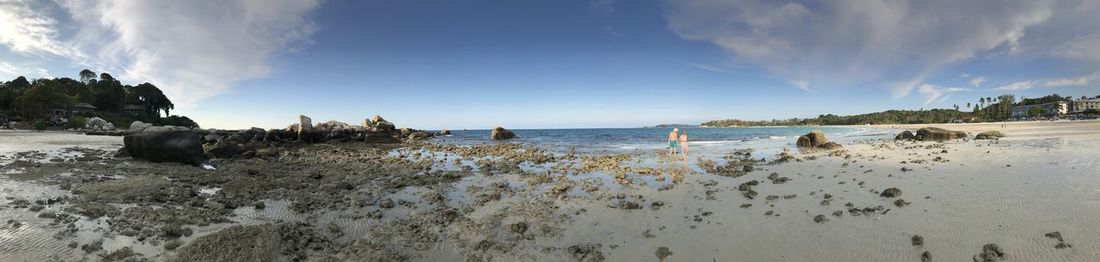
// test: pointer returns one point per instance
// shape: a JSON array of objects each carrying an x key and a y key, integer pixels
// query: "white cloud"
[
  {"x": 1021, "y": 85},
  {"x": 1075, "y": 81},
  {"x": 602, "y": 5},
  {"x": 894, "y": 44},
  {"x": 933, "y": 92},
  {"x": 977, "y": 81},
  {"x": 191, "y": 49}
]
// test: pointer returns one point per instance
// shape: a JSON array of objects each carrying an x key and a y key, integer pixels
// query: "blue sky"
[{"x": 558, "y": 64}]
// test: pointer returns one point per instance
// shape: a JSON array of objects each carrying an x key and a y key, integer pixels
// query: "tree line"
[
  {"x": 986, "y": 109},
  {"x": 38, "y": 99}
]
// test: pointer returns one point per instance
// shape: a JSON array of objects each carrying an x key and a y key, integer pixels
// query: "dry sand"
[{"x": 353, "y": 202}]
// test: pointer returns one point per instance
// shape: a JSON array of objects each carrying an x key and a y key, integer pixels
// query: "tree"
[
  {"x": 956, "y": 107},
  {"x": 87, "y": 76},
  {"x": 43, "y": 95},
  {"x": 1035, "y": 111}
]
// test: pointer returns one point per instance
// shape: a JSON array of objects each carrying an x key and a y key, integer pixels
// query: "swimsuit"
[{"x": 672, "y": 143}]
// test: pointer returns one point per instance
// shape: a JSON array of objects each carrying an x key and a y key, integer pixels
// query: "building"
[
  {"x": 80, "y": 108},
  {"x": 1081, "y": 105},
  {"x": 133, "y": 109},
  {"x": 1053, "y": 108}
]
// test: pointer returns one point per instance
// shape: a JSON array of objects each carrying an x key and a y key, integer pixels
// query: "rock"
[
  {"x": 905, "y": 135},
  {"x": 386, "y": 203},
  {"x": 500, "y": 133},
  {"x": 98, "y": 124},
  {"x": 166, "y": 146},
  {"x": 926, "y": 256},
  {"x": 831, "y": 145},
  {"x": 989, "y": 135},
  {"x": 901, "y": 202},
  {"x": 138, "y": 126},
  {"x": 367, "y": 123},
  {"x": 891, "y": 192},
  {"x": 990, "y": 253},
  {"x": 419, "y": 135},
  {"x": 518, "y": 228},
  {"x": 382, "y": 125},
  {"x": 662, "y": 253},
  {"x": 1055, "y": 235},
  {"x": 305, "y": 128},
  {"x": 223, "y": 149},
  {"x": 813, "y": 139},
  {"x": 820, "y": 219},
  {"x": 444, "y": 132},
  {"x": 918, "y": 240},
  {"x": 586, "y": 252},
  {"x": 938, "y": 134}
]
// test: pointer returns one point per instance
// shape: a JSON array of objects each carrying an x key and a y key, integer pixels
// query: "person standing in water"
[
  {"x": 672, "y": 142},
  {"x": 684, "y": 144}
]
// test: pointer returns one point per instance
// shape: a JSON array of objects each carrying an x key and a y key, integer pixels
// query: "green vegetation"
[
  {"x": 986, "y": 109},
  {"x": 49, "y": 101}
]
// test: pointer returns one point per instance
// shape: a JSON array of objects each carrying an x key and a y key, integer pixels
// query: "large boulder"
[
  {"x": 938, "y": 134},
  {"x": 419, "y": 135},
  {"x": 500, "y": 133},
  {"x": 138, "y": 126},
  {"x": 905, "y": 135},
  {"x": 444, "y": 132},
  {"x": 223, "y": 149},
  {"x": 166, "y": 146},
  {"x": 989, "y": 135},
  {"x": 98, "y": 124},
  {"x": 305, "y": 128},
  {"x": 813, "y": 139},
  {"x": 381, "y": 125}
]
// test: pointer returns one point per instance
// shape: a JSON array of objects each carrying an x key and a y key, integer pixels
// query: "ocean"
[{"x": 765, "y": 140}]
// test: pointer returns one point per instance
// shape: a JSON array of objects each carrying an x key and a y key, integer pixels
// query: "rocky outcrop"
[
  {"x": 989, "y": 135},
  {"x": 444, "y": 132},
  {"x": 223, "y": 149},
  {"x": 905, "y": 135},
  {"x": 499, "y": 133},
  {"x": 380, "y": 124},
  {"x": 166, "y": 146},
  {"x": 305, "y": 128},
  {"x": 98, "y": 124},
  {"x": 138, "y": 126},
  {"x": 938, "y": 134},
  {"x": 816, "y": 139}
]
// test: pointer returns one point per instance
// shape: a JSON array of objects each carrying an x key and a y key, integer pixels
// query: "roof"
[
  {"x": 133, "y": 107},
  {"x": 84, "y": 105}
]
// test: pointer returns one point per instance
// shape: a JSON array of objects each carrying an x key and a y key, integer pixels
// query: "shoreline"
[{"x": 425, "y": 201}]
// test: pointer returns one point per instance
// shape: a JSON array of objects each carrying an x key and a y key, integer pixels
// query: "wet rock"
[
  {"x": 820, "y": 219},
  {"x": 386, "y": 203},
  {"x": 938, "y": 134},
  {"x": 990, "y": 253},
  {"x": 905, "y": 135},
  {"x": 304, "y": 128},
  {"x": 93, "y": 246},
  {"x": 662, "y": 253},
  {"x": 444, "y": 132},
  {"x": 901, "y": 203},
  {"x": 518, "y": 228},
  {"x": 918, "y": 240},
  {"x": 259, "y": 204},
  {"x": 656, "y": 205},
  {"x": 499, "y": 133},
  {"x": 167, "y": 146},
  {"x": 1055, "y": 235},
  {"x": 926, "y": 256},
  {"x": 586, "y": 252},
  {"x": 989, "y": 135},
  {"x": 891, "y": 192}
]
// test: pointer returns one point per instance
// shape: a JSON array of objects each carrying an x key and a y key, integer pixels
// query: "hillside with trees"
[
  {"x": 64, "y": 102},
  {"x": 986, "y": 109}
]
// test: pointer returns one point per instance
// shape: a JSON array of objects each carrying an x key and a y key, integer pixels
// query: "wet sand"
[{"x": 507, "y": 202}]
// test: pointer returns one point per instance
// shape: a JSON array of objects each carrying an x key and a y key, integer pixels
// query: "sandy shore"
[{"x": 507, "y": 202}]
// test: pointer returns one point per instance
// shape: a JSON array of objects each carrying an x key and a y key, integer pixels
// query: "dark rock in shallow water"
[
  {"x": 586, "y": 252},
  {"x": 905, "y": 135},
  {"x": 500, "y": 133},
  {"x": 918, "y": 240},
  {"x": 926, "y": 257},
  {"x": 891, "y": 192},
  {"x": 820, "y": 219},
  {"x": 938, "y": 134},
  {"x": 989, "y": 135},
  {"x": 166, "y": 146},
  {"x": 1055, "y": 235}
]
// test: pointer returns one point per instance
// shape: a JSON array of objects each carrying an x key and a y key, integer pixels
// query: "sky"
[{"x": 558, "y": 64}]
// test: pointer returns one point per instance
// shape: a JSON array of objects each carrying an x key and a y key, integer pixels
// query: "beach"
[{"x": 450, "y": 199}]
